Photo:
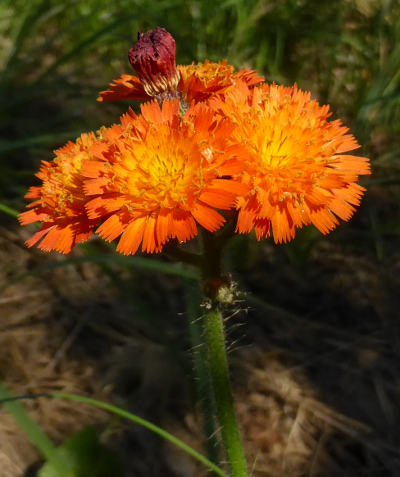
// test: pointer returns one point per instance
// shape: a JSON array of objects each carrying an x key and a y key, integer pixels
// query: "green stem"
[
  {"x": 203, "y": 389},
  {"x": 217, "y": 358},
  {"x": 218, "y": 365}
]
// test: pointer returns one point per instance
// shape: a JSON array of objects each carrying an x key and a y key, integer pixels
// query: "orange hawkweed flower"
[
  {"x": 207, "y": 139},
  {"x": 162, "y": 173},
  {"x": 200, "y": 81},
  {"x": 153, "y": 58},
  {"x": 298, "y": 173},
  {"x": 197, "y": 82},
  {"x": 60, "y": 200}
]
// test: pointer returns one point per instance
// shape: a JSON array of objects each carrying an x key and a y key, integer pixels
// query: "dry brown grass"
[{"x": 317, "y": 388}]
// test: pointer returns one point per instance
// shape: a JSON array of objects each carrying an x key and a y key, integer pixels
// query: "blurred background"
[{"x": 316, "y": 358}]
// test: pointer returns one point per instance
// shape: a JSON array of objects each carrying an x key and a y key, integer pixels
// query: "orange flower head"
[
  {"x": 60, "y": 201},
  {"x": 198, "y": 82},
  {"x": 153, "y": 58},
  {"x": 298, "y": 173},
  {"x": 161, "y": 175},
  {"x": 202, "y": 80}
]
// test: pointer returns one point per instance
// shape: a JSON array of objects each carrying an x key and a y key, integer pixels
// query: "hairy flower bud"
[{"x": 153, "y": 58}]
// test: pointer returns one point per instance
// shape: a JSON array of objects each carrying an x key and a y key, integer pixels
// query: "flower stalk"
[
  {"x": 214, "y": 335},
  {"x": 202, "y": 380},
  {"x": 219, "y": 371}
]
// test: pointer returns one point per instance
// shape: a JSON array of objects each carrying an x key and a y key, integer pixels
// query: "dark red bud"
[{"x": 153, "y": 58}]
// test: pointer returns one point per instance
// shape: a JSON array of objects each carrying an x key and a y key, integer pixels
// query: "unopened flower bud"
[{"x": 153, "y": 58}]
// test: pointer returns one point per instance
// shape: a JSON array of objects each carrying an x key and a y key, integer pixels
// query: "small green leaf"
[{"x": 84, "y": 456}]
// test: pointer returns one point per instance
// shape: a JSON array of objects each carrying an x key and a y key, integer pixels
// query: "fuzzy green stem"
[
  {"x": 217, "y": 358},
  {"x": 204, "y": 393},
  {"x": 218, "y": 365}
]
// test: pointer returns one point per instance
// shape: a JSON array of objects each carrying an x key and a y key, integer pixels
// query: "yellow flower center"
[{"x": 163, "y": 171}]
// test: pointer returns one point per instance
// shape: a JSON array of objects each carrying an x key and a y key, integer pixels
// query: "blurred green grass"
[{"x": 55, "y": 57}]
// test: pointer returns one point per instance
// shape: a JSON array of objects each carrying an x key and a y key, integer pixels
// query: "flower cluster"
[{"x": 208, "y": 140}]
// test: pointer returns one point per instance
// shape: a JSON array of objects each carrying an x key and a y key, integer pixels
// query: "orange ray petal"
[
  {"x": 111, "y": 228},
  {"x": 245, "y": 221},
  {"x": 217, "y": 198},
  {"x": 33, "y": 192},
  {"x": 163, "y": 227},
  {"x": 92, "y": 169},
  {"x": 126, "y": 87},
  {"x": 209, "y": 218},
  {"x": 66, "y": 240},
  {"x": 250, "y": 77},
  {"x": 183, "y": 225},
  {"x": 228, "y": 185},
  {"x": 324, "y": 220},
  {"x": 95, "y": 186},
  {"x": 341, "y": 208},
  {"x": 282, "y": 227},
  {"x": 262, "y": 228},
  {"x": 356, "y": 164},
  {"x": 59, "y": 238},
  {"x": 31, "y": 216},
  {"x": 39, "y": 234},
  {"x": 83, "y": 235},
  {"x": 149, "y": 243},
  {"x": 132, "y": 236},
  {"x": 101, "y": 206}
]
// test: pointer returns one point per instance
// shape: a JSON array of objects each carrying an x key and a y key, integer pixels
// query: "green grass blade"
[
  {"x": 8, "y": 210},
  {"x": 32, "y": 430},
  {"x": 87, "y": 42},
  {"x": 23, "y": 25},
  {"x": 144, "y": 423},
  {"x": 8, "y": 146},
  {"x": 143, "y": 263}
]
